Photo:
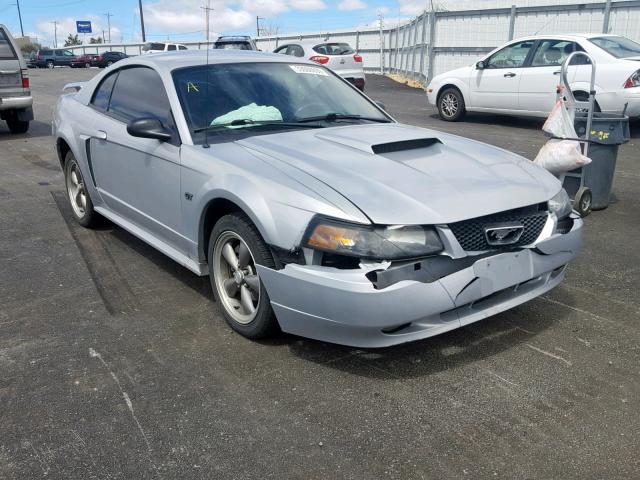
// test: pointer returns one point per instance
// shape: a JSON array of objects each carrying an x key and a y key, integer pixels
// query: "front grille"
[{"x": 470, "y": 233}]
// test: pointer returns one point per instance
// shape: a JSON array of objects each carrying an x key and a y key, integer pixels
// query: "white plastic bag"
[
  {"x": 560, "y": 122},
  {"x": 561, "y": 156}
]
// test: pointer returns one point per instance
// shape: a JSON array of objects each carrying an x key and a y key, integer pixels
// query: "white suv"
[
  {"x": 16, "y": 103},
  {"x": 520, "y": 78}
]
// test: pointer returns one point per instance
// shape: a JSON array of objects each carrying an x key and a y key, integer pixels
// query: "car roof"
[
  {"x": 188, "y": 58},
  {"x": 565, "y": 36}
]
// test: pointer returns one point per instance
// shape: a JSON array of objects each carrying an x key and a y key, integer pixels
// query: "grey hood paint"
[{"x": 451, "y": 180}]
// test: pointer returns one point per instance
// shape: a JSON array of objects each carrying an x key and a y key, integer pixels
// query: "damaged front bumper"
[{"x": 368, "y": 308}]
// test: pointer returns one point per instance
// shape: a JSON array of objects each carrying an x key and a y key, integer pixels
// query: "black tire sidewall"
[
  {"x": 461, "y": 105},
  {"x": 17, "y": 126},
  {"x": 265, "y": 323},
  {"x": 90, "y": 217}
]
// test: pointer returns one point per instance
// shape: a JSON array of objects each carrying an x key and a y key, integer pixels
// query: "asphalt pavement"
[{"x": 116, "y": 364}]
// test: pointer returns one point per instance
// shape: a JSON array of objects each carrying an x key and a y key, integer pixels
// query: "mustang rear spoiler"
[{"x": 76, "y": 86}]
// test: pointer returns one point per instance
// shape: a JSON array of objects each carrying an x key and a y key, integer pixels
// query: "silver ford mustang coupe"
[{"x": 309, "y": 207}]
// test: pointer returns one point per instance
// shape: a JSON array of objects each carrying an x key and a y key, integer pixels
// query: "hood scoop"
[
  {"x": 403, "y": 145},
  {"x": 380, "y": 138}
]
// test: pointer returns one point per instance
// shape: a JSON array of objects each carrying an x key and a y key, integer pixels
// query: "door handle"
[
  {"x": 510, "y": 74},
  {"x": 101, "y": 135},
  {"x": 557, "y": 73}
]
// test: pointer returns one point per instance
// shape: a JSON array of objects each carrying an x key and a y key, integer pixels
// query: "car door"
[
  {"x": 495, "y": 87},
  {"x": 138, "y": 178},
  {"x": 541, "y": 75}
]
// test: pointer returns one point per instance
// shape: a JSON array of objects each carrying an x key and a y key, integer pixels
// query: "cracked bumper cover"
[{"x": 343, "y": 306}]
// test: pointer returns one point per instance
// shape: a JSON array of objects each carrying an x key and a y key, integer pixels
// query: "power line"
[{"x": 144, "y": 37}]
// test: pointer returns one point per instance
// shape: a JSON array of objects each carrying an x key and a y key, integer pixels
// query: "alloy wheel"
[
  {"x": 449, "y": 104},
  {"x": 76, "y": 190},
  {"x": 236, "y": 277}
]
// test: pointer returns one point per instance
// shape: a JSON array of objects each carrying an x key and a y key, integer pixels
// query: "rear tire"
[
  {"x": 77, "y": 193},
  {"x": 50, "y": 64},
  {"x": 451, "y": 105},
  {"x": 236, "y": 286},
  {"x": 17, "y": 126}
]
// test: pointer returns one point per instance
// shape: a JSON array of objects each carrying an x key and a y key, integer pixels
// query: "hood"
[{"x": 397, "y": 174}]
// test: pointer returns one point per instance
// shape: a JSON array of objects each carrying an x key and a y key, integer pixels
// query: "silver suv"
[{"x": 16, "y": 103}]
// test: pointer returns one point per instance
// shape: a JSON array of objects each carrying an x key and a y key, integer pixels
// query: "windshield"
[
  {"x": 619, "y": 47},
  {"x": 334, "y": 49},
  {"x": 227, "y": 98},
  {"x": 232, "y": 46}
]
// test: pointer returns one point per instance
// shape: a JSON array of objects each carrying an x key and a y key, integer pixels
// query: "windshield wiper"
[
  {"x": 243, "y": 122},
  {"x": 332, "y": 117}
]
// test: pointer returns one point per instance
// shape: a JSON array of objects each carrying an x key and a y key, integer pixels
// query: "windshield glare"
[
  {"x": 619, "y": 47},
  {"x": 219, "y": 94}
]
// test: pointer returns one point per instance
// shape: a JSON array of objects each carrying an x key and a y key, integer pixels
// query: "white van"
[
  {"x": 16, "y": 102},
  {"x": 159, "y": 47}
]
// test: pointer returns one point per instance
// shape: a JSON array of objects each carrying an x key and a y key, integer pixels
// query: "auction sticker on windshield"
[{"x": 309, "y": 69}]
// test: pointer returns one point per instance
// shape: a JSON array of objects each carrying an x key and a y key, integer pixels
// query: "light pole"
[
  {"x": 144, "y": 37},
  {"x": 109, "y": 15},
  {"x": 207, "y": 9},
  {"x": 20, "y": 17},
  {"x": 55, "y": 33}
]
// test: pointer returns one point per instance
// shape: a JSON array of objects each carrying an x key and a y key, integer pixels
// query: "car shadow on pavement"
[
  {"x": 470, "y": 344},
  {"x": 37, "y": 129},
  {"x": 524, "y": 123}
]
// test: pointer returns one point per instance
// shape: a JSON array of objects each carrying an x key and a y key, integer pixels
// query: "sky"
[{"x": 184, "y": 20}]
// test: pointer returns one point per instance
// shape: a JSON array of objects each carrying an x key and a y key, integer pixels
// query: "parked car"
[
  {"x": 339, "y": 57},
  {"x": 237, "y": 42},
  {"x": 81, "y": 61},
  {"x": 308, "y": 206},
  {"x": 31, "y": 60},
  {"x": 106, "y": 59},
  {"x": 52, "y": 58},
  {"x": 16, "y": 102},
  {"x": 520, "y": 78},
  {"x": 159, "y": 47}
]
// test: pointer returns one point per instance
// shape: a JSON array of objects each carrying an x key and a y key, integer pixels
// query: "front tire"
[
  {"x": 235, "y": 248},
  {"x": 451, "y": 105},
  {"x": 77, "y": 193},
  {"x": 50, "y": 64}
]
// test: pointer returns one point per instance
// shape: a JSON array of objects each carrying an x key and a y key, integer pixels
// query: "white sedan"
[{"x": 520, "y": 78}]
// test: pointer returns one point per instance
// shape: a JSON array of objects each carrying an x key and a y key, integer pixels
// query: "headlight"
[
  {"x": 377, "y": 242},
  {"x": 560, "y": 204}
]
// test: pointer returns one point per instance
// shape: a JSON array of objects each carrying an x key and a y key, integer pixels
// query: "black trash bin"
[{"x": 608, "y": 132}]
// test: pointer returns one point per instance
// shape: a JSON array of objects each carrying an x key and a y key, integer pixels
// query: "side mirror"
[
  {"x": 381, "y": 105},
  {"x": 481, "y": 65},
  {"x": 148, "y": 128}
]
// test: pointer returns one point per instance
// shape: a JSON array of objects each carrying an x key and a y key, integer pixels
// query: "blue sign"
[{"x": 83, "y": 26}]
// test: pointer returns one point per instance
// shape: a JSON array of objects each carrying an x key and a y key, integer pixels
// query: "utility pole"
[
  {"x": 258, "y": 25},
  {"x": 55, "y": 33},
  {"x": 380, "y": 20},
  {"x": 144, "y": 37},
  {"x": 109, "y": 15},
  {"x": 20, "y": 17},
  {"x": 207, "y": 9}
]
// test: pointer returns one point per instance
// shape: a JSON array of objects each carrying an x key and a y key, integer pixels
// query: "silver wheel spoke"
[
  {"x": 230, "y": 256},
  {"x": 231, "y": 287},
  {"x": 78, "y": 197},
  {"x": 253, "y": 282},
  {"x": 74, "y": 178},
  {"x": 246, "y": 300},
  {"x": 245, "y": 256}
]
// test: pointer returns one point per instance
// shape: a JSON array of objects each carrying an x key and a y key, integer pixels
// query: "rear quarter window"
[{"x": 6, "y": 49}]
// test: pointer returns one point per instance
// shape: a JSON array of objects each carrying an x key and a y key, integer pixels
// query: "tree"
[
  {"x": 93, "y": 41},
  {"x": 72, "y": 40},
  {"x": 27, "y": 48}
]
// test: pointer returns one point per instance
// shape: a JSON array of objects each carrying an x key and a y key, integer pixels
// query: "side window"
[
  {"x": 554, "y": 52},
  {"x": 512, "y": 56},
  {"x": 182, "y": 47},
  {"x": 139, "y": 92},
  {"x": 103, "y": 93},
  {"x": 296, "y": 51},
  {"x": 282, "y": 50},
  {"x": 6, "y": 49},
  {"x": 171, "y": 47},
  {"x": 67, "y": 53},
  {"x": 58, "y": 53}
]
